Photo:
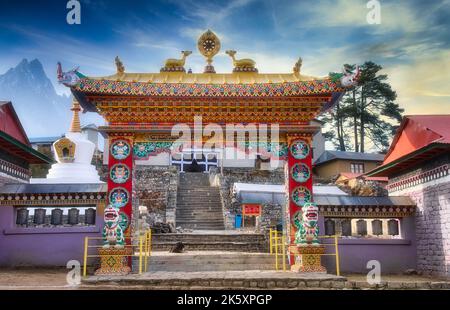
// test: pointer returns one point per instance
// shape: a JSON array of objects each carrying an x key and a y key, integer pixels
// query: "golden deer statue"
[
  {"x": 177, "y": 63},
  {"x": 241, "y": 63}
]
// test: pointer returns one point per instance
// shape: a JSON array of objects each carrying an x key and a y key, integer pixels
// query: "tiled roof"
[{"x": 332, "y": 155}]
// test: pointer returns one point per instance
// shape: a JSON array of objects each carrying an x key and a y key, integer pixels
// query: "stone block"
[
  {"x": 312, "y": 283},
  {"x": 338, "y": 284},
  {"x": 395, "y": 285},
  {"x": 270, "y": 284},
  {"x": 326, "y": 284},
  {"x": 292, "y": 283}
]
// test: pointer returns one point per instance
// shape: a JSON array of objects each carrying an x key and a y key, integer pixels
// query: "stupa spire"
[{"x": 75, "y": 125}]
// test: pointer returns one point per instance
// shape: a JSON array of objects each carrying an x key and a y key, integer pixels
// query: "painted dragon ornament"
[
  {"x": 307, "y": 225},
  {"x": 114, "y": 227},
  {"x": 69, "y": 78},
  {"x": 347, "y": 78}
]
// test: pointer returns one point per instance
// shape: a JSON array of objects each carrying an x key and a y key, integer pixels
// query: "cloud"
[
  {"x": 395, "y": 16},
  {"x": 209, "y": 13},
  {"x": 423, "y": 85}
]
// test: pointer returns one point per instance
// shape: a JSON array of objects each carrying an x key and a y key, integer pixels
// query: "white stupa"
[{"x": 73, "y": 154}]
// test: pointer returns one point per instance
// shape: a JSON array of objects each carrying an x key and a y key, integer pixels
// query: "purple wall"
[
  {"x": 394, "y": 255},
  {"x": 41, "y": 246}
]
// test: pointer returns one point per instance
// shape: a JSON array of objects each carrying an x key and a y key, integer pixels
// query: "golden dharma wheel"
[{"x": 209, "y": 45}]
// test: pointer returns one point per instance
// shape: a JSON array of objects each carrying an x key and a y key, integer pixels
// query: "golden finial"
[
  {"x": 119, "y": 65},
  {"x": 298, "y": 65},
  {"x": 75, "y": 125},
  {"x": 209, "y": 45}
]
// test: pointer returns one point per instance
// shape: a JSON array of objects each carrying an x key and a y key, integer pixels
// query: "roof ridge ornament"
[
  {"x": 69, "y": 78},
  {"x": 347, "y": 78},
  {"x": 119, "y": 65},
  {"x": 242, "y": 65},
  {"x": 298, "y": 66},
  {"x": 208, "y": 45},
  {"x": 176, "y": 65}
]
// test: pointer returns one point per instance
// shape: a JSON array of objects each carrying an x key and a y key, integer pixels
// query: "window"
[{"x": 357, "y": 167}]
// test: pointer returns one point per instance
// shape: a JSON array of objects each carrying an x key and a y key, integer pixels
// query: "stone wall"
[
  {"x": 156, "y": 188},
  {"x": 230, "y": 205},
  {"x": 271, "y": 216},
  {"x": 433, "y": 228},
  {"x": 432, "y": 197}
]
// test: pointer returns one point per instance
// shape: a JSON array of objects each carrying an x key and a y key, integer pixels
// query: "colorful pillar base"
[
  {"x": 114, "y": 261},
  {"x": 310, "y": 258}
]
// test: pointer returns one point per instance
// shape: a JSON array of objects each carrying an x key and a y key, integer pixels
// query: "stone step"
[
  {"x": 212, "y": 246},
  {"x": 194, "y": 215},
  {"x": 212, "y": 190},
  {"x": 241, "y": 279},
  {"x": 199, "y": 199},
  {"x": 201, "y": 226},
  {"x": 210, "y": 236},
  {"x": 210, "y": 261},
  {"x": 201, "y": 221},
  {"x": 191, "y": 208},
  {"x": 211, "y": 216}
]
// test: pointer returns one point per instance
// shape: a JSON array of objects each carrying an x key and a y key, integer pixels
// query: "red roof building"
[
  {"x": 417, "y": 165},
  {"x": 16, "y": 153},
  {"x": 419, "y": 138}
]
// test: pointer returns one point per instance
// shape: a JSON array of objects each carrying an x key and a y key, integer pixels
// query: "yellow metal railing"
[
  {"x": 143, "y": 247},
  {"x": 277, "y": 240}
]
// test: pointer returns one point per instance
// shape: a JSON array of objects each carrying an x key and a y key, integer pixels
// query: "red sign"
[{"x": 251, "y": 209}]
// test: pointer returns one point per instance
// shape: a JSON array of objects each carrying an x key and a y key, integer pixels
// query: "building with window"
[{"x": 332, "y": 163}]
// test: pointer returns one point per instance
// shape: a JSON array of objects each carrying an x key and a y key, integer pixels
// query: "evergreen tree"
[{"x": 367, "y": 113}]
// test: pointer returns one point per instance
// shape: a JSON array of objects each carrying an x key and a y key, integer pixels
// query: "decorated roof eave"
[
  {"x": 33, "y": 155},
  {"x": 385, "y": 170},
  {"x": 88, "y": 106},
  {"x": 164, "y": 128}
]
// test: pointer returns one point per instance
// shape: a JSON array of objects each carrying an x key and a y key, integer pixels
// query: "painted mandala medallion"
[
  {"x": 300, "y": 195},
  {"x": 119, "y": 173},
  {"x": 119, "y": 197},
  {"x": 120, "y": 149},
  {"x": 299, "y": 149},
  {"x": 300, "y": 173}
]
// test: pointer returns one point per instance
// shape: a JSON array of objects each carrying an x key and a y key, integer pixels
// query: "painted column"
[
  {"x": 115, "y": 255},
  {"x": 120, "y": 181},
  {"x": 298, "y": 179}
]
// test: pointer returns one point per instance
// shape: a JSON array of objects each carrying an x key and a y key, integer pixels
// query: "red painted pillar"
[
  {"x": 120, "y": 181},
  {"x": 298, "y": 174}
]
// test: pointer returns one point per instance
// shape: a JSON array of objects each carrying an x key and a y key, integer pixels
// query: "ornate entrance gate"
[{"x": 144, "y": 107}]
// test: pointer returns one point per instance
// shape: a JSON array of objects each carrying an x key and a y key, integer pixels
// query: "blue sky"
[{"x": 411, "y": 43}]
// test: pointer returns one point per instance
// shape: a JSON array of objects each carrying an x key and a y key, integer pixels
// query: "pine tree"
[{"x": 366, "y": 114}]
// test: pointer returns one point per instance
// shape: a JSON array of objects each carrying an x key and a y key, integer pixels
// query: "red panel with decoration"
[
  {"x": 299, "y": 178},
  {"x": 120, "y": 184}
]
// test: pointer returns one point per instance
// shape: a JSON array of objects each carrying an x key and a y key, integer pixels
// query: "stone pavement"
[{"x": 55, "y": 279}]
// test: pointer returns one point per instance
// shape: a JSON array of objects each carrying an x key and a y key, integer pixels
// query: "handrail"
[{"x": 277, "y": 240}]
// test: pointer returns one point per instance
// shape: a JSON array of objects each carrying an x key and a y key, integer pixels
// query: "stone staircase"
[
  {"x": 212, "y": 241},
  {"x": 199, "y": 205}
]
